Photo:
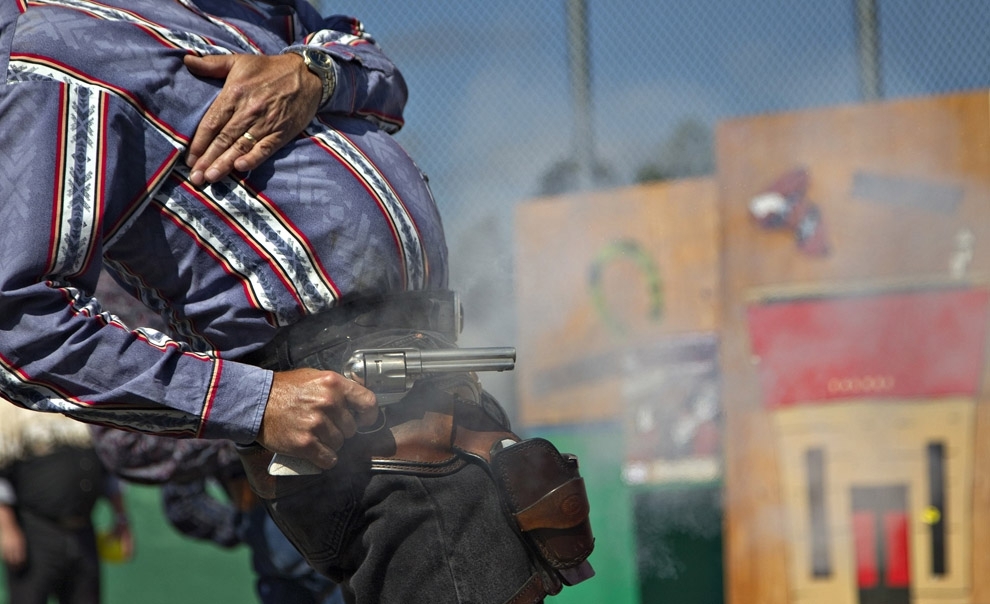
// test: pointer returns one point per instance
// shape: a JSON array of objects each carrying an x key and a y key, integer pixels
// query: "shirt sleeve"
[
  {"x": 192, "y": 510},
  {"x": 77, "y": 159},
  {"x": 150, "y": 459},
  {"x": 112, "y": 486},
  {"x": 368, "y": 84}
]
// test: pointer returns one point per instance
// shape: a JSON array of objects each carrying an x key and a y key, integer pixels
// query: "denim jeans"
[{"x": 282, "y": 576}]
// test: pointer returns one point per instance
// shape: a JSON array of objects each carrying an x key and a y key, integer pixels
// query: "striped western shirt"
[{"x": 96, "y": 111}]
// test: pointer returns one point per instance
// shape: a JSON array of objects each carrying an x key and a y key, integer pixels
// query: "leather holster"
[
  {"x": 545, "y": 495},
  {"x": 435, "y": 431}
]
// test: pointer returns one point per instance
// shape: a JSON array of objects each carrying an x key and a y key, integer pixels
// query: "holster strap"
[
  {"x": 562, "y": 508},
  {"x": 427, "y": 431}
]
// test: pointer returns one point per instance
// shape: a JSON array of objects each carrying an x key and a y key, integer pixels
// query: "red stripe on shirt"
[
  {"x": 135, "y": 204},
  {"x": 211, "y": 395},
  {"x": 298, "y": 235},
  {"x": 400, "y": 251},
  {"x": 222, "y": 261},
  {"x": 127, "y": 96},
  {"x": 61, "y": 150}
]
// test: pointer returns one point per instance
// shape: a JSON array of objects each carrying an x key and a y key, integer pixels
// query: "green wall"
[{"x": 169, "y": 568}]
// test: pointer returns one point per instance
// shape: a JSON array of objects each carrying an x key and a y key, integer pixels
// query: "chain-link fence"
[{"x": 504, "y": 108}]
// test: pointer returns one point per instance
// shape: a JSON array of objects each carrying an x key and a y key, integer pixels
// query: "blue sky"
[{"x": 489, "y": 83}]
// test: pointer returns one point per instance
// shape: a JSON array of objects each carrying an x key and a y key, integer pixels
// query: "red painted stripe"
[
  {"x": 385, "y": 117},
  {"x": 290, "y": 30},
  {"x": 100, "y": 178},
  {"x": 382, "y": 206},
  {"x": 297, "y": 234},
  {"x": 224, "y": 24},
  {"x": 10, "y": 367},
  {"x": 900, "y": 344},
  {"x": 258, "y": 249},
  {"x": 135, "y": 204},
  {"x": 895, "y": 526},
  {"x": 405, "y": 211},
  {"x": 249, "y": 296},
  {"x": 252, "y": 8},
  {"x": 865, "y": 543}
]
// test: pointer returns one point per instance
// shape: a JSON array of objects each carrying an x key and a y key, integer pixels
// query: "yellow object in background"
[{"x": 110, "y": 547}]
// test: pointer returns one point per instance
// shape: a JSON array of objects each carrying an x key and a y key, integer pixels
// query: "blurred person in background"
[
  {"x": 205, "y": 496},
  {"x": 50, "y": 482},
  {"x": 282, "y": 576}
]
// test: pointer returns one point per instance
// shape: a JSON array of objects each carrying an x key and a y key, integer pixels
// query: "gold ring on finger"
[{"x": 250, "y": 137}]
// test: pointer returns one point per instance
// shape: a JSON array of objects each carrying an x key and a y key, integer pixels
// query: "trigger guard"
[{"x": 378, "y": 425}]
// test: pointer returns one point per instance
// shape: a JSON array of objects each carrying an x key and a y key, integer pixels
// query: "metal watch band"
[{"x": 321, "y": 64}]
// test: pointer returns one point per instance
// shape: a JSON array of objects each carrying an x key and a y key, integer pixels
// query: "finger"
[
  {"x": 219, "y": 112},
  {"x": 242, "y": 133},
  {"x": 345, "y": 421},
  {"x": 326, "y": 458},
  {"x": 331, "y": 436},
  {"x": 302, "y": 462},
  {"x": 261, "y": 151},
  {"x": 214, "y": 135},
  {"x": 362, "y": 403},
  {"x": 225, "y": 162},
  {"x": 209, "y": 66}
]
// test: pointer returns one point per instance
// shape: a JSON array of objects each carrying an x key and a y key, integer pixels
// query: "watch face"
[{"x": 319, "y": 59}]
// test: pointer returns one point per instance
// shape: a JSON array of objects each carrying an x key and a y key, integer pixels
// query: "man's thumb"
[{"x": 210, "y": 66}]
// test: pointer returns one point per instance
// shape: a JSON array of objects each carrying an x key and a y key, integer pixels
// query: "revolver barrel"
[{"x": 394, "y": 370}]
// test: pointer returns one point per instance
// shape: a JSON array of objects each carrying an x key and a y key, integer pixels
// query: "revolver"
[{"x": 391, "y": 372}]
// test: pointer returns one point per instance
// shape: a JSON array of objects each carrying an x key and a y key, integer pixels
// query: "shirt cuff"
[{"x": 239, "y": 403}]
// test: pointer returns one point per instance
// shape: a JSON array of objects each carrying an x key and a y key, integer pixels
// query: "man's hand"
[
  {"x": 13, "y": 546},
  {"x": 265, "y": 102},
  {"x": 310, "y": 413}
]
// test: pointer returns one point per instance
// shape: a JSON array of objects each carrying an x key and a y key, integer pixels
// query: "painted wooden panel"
[
  {"x": 884, "y": 193},
  {"x": 922, "y": 342},
  {"x": 610, "y": 286}
]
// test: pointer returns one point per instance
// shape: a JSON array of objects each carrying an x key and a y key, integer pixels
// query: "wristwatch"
[{"x": 321, "y": 64}]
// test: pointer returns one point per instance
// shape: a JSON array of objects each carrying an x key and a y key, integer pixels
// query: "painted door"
[{"x": 880, "y": 535}]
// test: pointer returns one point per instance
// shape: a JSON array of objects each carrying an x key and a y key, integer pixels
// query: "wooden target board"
[
  {"x": 878, "y": 200},
  {"x": 611, "y": 286}
]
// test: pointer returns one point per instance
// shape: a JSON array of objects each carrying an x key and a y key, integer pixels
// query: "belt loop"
[{"x": 283, "y": 355}]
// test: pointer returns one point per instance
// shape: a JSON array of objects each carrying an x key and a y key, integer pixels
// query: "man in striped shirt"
[
  {"x": 185, "y": 147},
  {"x": 98, "y": 110}
]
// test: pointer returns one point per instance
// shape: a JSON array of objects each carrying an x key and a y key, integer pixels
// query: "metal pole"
[
  {"x": 580, "y": 69},
  {"x": 868, "y": 46}
]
